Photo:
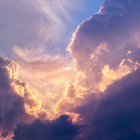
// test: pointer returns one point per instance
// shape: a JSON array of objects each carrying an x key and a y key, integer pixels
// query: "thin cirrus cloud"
[
  {"x": 17, "y": 18},
  {"x": 39, "y": 23},
  {"x": 24, "y": 24},
  {"x": 45, "y": 73}
]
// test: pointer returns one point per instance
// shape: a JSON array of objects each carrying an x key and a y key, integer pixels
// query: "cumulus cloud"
[
  {"x": 116, "y": 114},
  {"x": 18, "y": 104},
  {"x": 101, "y": 44},
  {"x": 21, "y": 111},
  {"x": 112, "y": 114},
  {"x": 105, "y": 50}
]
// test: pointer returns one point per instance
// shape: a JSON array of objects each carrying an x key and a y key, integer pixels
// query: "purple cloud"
[
  {"x": 18, "y": 104},
  {"x": 116, "y": 115},
  {"x": 104, "y": 40},
  {"x": 61, "y": 128}
]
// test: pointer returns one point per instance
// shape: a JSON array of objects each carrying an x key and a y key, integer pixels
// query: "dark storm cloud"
[
  {"x": 59, "y": 129},
  {"x": 117, "y": 115},
  {"x": 15, "y": 96}
]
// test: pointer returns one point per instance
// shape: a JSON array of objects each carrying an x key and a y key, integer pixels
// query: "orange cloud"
[
  {"x": 18, "y": 103},
  {"x": 45, "y": 73}
]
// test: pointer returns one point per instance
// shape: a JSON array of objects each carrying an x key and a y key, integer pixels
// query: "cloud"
[
  {"x": 17, "y": 18},
  {"x": 103, "y": 41},
  {"x": 105, "y": 50},
  {"x": 61, "y": 128},
  {"x": 21, "y": 111},
  {"x": 18, "y": 103},
  {"x": 55, "y": 10},
  {"x": 45, "y": 73},
  {"x": 23, "y": 23},
  {"x": 116, "y": 114},
  {"x": 37, "y": 23}
]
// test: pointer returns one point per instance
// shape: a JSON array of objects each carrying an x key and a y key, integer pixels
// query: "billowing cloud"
[
  {"x": 105, "y": 47},
  {"x": 116, "y": 114},
  {"x": 21, "y": 111},
  {"x": 18, "y": 104},
  {"x": 105, "y": 94}
]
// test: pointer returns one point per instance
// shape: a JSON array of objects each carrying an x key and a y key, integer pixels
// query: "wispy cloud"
[{"x": 46, "y": 73}]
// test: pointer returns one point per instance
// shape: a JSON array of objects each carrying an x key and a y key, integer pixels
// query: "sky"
[
  {"x": 42, "y": 23},
  {"x": 69, "y": 70}
]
